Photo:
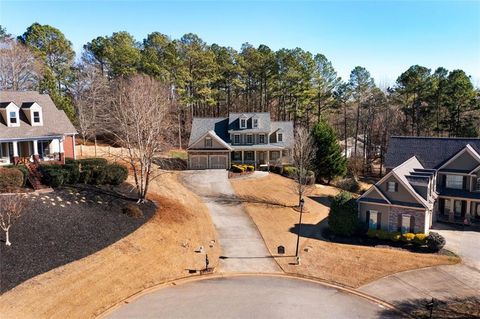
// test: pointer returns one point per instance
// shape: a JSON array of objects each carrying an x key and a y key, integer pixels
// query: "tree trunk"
[{"x": 7, "y": 237}]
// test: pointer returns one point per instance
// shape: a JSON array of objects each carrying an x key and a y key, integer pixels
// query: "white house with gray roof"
[
  {"x": 428, "y": 179},
  {"x": 32, "y": 129},
  {"x": 243, "y": 138}
]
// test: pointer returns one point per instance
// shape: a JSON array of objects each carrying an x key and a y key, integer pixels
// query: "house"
[
  {"x": 243, "y": 138},
  {"x": 428, "y": 179},
  {"x": 32, "y": 129},
  {"x": 350, "y": 149}
]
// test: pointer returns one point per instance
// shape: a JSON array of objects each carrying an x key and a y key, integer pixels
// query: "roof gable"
[
  {"x": 432, "y": 152},
  {"x": 465, "y": 160}
]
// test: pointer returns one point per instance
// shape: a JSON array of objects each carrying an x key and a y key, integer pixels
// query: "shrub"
[
  {"x": 99, "y": 176},
  {"x": 395, "y": 236},
  {"x": 350, "y": 184},
  {"x": 72, "y": 173},
  {"x": 407, "y": 237},
  {"x": 93, "y": 162},
  {"x": 372, "y": 233},
  {"x": 132, "y": 210},
  {"x": 435, "y": 241},
  {"x": 85, "y": 176},
  {"x": 237, "y": 169},
  {"x": 276, "y": 169},
  {"x": 11, "y": 178},
  {"x": 289, "y": 171},
  {"x": 383, "y": 235},
  {"x": 249, "y": 168},
  {"x": 116, "y": 174},
  {"x": 22, "y": 169},
  {"x": 420, "y": 239},
  {"x": 54, "y": 178},
  {"x": 342, "y": 218}
]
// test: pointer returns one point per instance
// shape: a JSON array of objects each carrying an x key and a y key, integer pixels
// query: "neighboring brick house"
[
  {"x": 32, "y": 129},
  {"x": 249, "y": 138},
  {"x": 428, "y": 179}
]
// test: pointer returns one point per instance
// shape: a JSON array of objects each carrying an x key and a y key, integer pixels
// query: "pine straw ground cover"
[
  {"x": 269, "y": 202},
  {"x": 160, "y": 250}
]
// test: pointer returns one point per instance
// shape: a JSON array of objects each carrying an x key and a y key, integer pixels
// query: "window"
[
  {"x": 392, "y": 187},
  {"x": 13, "y": 117},
  {"x": 243, "y": 123},
  {"x": 454, "y": 181},
  {"x": 274, "y": 155},
  {"x": 374, "y": 220},
  {"x": 237, "y": 156},
  {"x": 249, "y": 139},
  {"x": 36, "y": 117},
  {"x": 261, "y": 139},
  {"x": 255, "y": 123},
  {"x": 280, "y": 137},
  {"x": 208, "y": 142},
  {"x": 406, "y": 224},
  {"x": 458, "y": 208},
  {"x": 249, "y": 156},
  {"x": 236, "y": 139}
]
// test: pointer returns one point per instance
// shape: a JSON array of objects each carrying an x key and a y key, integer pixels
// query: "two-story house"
[
  {"x": 32, "y": 129},
  {"x": 441, "y": 176},
  {"x": 248, "y": 138}
]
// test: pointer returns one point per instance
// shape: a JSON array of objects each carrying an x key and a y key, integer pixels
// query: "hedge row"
[
  {"x": 241, "y": 168},
  {"x": 95, "y": 171},
  {"x": 11, "y": 178},
  {"x": 419, "y": 239}
]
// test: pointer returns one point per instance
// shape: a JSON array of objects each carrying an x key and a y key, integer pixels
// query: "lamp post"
[{"x": 302, "y": 201}]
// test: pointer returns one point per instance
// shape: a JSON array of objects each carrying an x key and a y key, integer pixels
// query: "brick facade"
[
  {"x": 69, "y": 146},
  {"x": 419, "y": 218}
]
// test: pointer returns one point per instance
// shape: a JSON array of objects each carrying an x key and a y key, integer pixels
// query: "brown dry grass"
[
  {"x": 344, "y": 264},
  {"x": 153, "y": 254}
]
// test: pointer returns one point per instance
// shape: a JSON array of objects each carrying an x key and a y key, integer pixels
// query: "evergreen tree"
[{"x": 329, "y": 161}]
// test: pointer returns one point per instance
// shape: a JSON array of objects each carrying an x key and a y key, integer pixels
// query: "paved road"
[
  {"x": 251, "y": 297},
  {"x": 238, "y": 236},
  {"x": 441, "y": 282}
]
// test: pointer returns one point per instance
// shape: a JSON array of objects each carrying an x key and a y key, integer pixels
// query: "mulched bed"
[{"x": 63, "y": 226}]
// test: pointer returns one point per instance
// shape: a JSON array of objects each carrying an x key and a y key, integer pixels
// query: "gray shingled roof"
[
  {"x": 55, "y": 121},
  {"x": 432, "y": 152},
  {"x": 222, "y": 125},
  {"x": 263, "y": 122},
  {"x": 200, "y": 126}
]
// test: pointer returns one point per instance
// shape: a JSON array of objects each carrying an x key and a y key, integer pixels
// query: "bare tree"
[
  {"x": 19, "y": 68},
  {"x": 302, "y": 156},
  {"x": 138, "y": 119},
  {"x": 11, "y": 208},
  {"x": 90, "y": 92}
]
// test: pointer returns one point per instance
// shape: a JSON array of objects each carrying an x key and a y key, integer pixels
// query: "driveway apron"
[{"x": 243, "y": 249}]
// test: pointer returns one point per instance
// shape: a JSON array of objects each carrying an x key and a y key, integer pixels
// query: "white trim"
[
  {"x": 474, "y": 170},
  {"x": 374, "y": 187},
  {"x": 466, "y": 148},
  {"x": 393, "y": 205},
  {"x": 412, "y": 192},
  {"x": 213, "y": 135}
]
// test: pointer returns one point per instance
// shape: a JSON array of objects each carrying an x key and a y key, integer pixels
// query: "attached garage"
[{"x": 208, "y": 160}]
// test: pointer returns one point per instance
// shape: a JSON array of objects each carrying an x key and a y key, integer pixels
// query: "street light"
[{"x": 302, "y": 202}]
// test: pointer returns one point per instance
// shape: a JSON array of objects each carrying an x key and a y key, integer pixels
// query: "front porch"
[
  {"x": 458, "y": 210},
  {"x": 34, "y": 150},
  {"x": 261, "y": 158}
]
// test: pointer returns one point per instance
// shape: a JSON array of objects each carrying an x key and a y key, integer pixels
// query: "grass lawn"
[
  {"x": 343, "y": 264},
  {"x": 160, "y": 250}
]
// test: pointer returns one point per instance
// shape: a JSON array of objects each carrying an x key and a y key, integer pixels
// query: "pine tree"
[{"x": 329, "y": 161}]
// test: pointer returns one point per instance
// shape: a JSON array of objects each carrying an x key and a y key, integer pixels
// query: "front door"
[{"x": 261, "y": 157}]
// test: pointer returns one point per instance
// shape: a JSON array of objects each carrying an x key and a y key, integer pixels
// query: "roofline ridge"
[{"x": 435, "y": 137}]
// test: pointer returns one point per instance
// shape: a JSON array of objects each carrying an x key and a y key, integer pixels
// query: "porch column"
[
  {"x": 467, "y": 212},
  {"x": 451, "y": 215},
  {"x": 35, "y": 151},
  {"x": 61, "y": 151},
  {"x": 242, "y": 157},
  {"x": 15, "y": 152},
  {"x": 255, "y": 159}
]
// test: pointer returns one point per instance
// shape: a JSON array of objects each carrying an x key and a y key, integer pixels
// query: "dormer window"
[
  {"x": 255, "y": 123},
  {"x": 13, "y": 117},
  {"x": 243, "y": 123},
  {"x": 36, "y": 117},
  {"x": 392, "y": 187}
]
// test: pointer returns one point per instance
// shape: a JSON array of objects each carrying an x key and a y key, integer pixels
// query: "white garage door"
[
  {"x": 198, "y": 162},
  {"x": 218, "y": 161}
]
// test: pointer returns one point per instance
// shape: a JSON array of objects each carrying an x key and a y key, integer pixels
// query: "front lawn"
[
  {"x": 350, "y": 265},
  {"x": 60, "y": 227}
]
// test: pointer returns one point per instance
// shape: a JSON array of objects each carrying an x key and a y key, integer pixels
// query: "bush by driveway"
[{"x": 61, "y": 227}]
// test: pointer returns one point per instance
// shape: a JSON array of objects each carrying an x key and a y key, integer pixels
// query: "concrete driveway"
[
  {"x": 242, "y": 245},
  {"x": 251, "y": 297},
  {"x": 440, "y": 282}
]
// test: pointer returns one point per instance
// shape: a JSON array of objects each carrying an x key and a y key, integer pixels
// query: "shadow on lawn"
[
  {"x": 234, "y": 200},
  {"x": 313, "y": 231}
]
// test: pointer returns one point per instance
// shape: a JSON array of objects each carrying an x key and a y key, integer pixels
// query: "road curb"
[{"x": 186, "y": 280}]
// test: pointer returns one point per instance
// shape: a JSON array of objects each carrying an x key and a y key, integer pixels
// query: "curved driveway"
[
  {"x": 242, "y": 245},
  {"x": 251, "y": 297}
]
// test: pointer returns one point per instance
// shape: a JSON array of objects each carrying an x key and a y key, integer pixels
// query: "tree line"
[{"x": 207, "y": 80}]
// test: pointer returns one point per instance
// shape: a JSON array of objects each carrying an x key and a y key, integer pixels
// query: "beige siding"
[
  {"x": 374, "y": 194},
  {"x": 201, "y": 144},
  {"x": 463, "y": 162},
  {"x": 402, "y": 195},
  {"x": 364, "y": 207}
]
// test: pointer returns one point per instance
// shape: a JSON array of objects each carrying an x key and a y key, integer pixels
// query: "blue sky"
[{"x": 386, "y": 37}]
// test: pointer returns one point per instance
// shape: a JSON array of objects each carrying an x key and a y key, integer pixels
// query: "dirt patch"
[
  {"x": 344, "y": 264},
  {"x": 160, "y": 250}
]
